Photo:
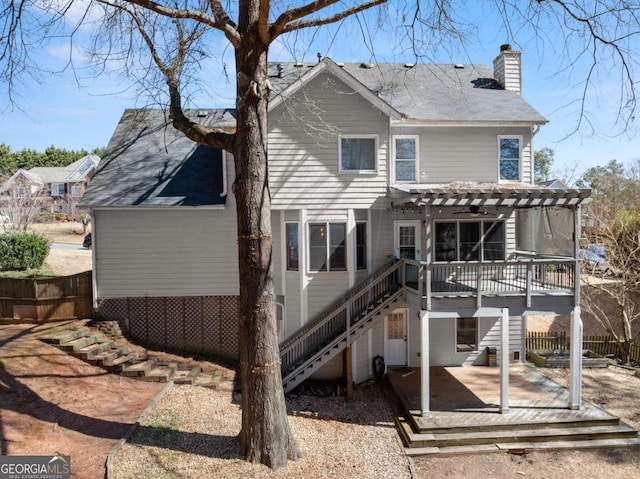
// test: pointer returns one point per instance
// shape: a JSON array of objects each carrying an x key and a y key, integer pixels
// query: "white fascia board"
[
  {"x": 448, "y": 123},
  {"x": 152, "y": 207}
]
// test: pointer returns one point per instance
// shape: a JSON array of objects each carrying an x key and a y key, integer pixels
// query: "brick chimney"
[{"x": 507, "y": 69}]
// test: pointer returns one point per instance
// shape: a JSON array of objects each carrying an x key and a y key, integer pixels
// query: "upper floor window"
[
  {"x": 327, "y": 247},
  {"x": 57, "y": 189},
  {"x": 292, "y": 246},
  {"x": 510, "y": 157},
  {"x": 76, "y": 191},
  {"x": 358, "y": 154},
  {"x": 405, "y": 151},
  {"x": 21, "y": 191},
  {"x": 469, "y": 240}
]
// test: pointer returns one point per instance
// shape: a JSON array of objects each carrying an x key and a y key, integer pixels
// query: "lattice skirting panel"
[{"x": 190, "y": 323}]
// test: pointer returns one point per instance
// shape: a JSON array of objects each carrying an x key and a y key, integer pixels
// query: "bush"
[{"x": 20, "y": 251}]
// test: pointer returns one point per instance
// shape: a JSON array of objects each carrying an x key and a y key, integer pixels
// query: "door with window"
[
  {"x": 395, "y": 348},
  {"x": 407, "y": 246}
]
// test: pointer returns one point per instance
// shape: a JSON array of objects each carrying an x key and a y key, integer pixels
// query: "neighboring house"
[
  {"x": 405, "y": 222},
  {"x": 57, "y": 188}
]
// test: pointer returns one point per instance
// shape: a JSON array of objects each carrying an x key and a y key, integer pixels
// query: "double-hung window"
[
  {"x": 57, "y": 189},
  {"x": 358, "y": 154},
  {"x": 327, "y": 247},
  {"x": 469, "y": 240},
  {"x": 509, "y": 157},
  {"x": 76, "y": 191},
  {"x": 405, "y": 152},
  {"x": 291, "y": 242},
  {"x": 21, "y": 191}
]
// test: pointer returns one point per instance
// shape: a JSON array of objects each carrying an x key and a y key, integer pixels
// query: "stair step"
[
  {"x": 64, "y": 336},
  {"x": 139, "y": 367},
  {"x": 162, "y": 373},
  {"x": 120, "y": 362},
  {"x": 80, "y": 343},
  {"x": 107, "y": 355},
  {"x": 92, "y": 350},
  {"x": 186, "y": 375},
  {"x": 522, "y": 447},
  {"x": 514, "y": 436},
  {"x": 209, "y": 379}
]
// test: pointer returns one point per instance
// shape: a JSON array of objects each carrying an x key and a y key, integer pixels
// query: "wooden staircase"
[
  {"x": 316, "y": 343},
  {"x": 96, "y": 349}
]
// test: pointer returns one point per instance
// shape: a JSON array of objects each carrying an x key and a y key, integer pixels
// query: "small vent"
[
  {"x": 459, "y": 65},
  {"x": 340, "y": 64},
  {"x": 202, "y": 114},
  {"x": 409, "y": 65},
  {"x": 366, "y": 66},
  {"x": 298, "y": 64}
]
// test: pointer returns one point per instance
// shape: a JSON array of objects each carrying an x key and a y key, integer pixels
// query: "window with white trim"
[
  {"x": 57, "y": 189},
  {"x": 20, "y": 191},
  {"x": 405, "y": 153},
  {"x": 292, "y": 257},
  {"x": 361, "y": 245},
  {"x": 358, "y": 154},
  {"x": 466, "y": 335},
  {"x": 76, "y": 191},
  {"x": 482, "y": 240},
  {"x": 327, "y": 247},
  {"x": 509, "y": 157}
]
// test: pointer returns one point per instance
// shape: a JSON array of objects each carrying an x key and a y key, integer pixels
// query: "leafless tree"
[
  {"x": 20, "y": 204},
  {"x": 178, "y": 36},
  {"x": 611, "y": 292}
]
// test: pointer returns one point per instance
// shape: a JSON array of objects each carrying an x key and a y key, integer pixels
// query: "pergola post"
[
  {"x": 504, "y": 361},
  {"x": 424, "y": 364},
  {"x": 575, "y": 361}
]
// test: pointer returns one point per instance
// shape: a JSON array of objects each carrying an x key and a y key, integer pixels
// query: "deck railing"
[{"x": 340, "y": 318}]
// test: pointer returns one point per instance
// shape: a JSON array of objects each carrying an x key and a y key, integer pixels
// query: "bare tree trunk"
[{"x": 265, "y": 436}]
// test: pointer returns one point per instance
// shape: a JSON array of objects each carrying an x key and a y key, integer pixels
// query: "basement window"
[{"x": 466, "y": 335}]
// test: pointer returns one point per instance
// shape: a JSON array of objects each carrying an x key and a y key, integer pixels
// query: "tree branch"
[
  {"x": 222, "y": 22},
  {"x": 284, "y": 22}
]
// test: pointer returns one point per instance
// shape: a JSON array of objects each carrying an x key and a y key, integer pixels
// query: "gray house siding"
[
  {"x": 303, "y": 148},
  {"x": 449, "y": 154},
  {"x": 166, "y": 252}
]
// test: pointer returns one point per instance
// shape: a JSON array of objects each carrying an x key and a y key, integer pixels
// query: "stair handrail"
[{"x": 338, "y": 304}]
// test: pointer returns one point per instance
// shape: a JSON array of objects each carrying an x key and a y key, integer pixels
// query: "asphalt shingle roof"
[
  {"x": 436, "y": 92},
  {"x": 149, "y": 163}
]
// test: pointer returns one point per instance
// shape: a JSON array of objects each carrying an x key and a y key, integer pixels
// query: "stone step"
[
  {"x": 98, "y": 359},
  {"x": 65, "y": 336},
  {"x": 209, "y": 379},
  {"x": 118, "y": 363},
  {"x": 80, "y": 343},
  {"x": 520, "y": 448},
  {"x": 162, "y": 372},
  {"x": 139, "y": 367},
  {"x": 92, "y": 350},
  {"x": 186, "y": 375}
]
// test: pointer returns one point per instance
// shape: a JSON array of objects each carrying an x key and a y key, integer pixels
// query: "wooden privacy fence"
[
  {"x": 47, "y": 299},
  {"x": 602, "y": 345}
]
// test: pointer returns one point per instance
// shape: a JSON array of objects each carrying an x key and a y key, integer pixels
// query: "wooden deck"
[{"x": 465, "y": 415}]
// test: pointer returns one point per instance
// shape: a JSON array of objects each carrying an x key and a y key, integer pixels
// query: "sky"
[{"x": 75, "y": 110}]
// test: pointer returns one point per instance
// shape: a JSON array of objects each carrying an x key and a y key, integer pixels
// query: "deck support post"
[
  {"x": 575, "y": 361},
  {"x": 424, "y": 364},
  {"x": 504, "y": 361},
  {"x": 347, "y": 362}
]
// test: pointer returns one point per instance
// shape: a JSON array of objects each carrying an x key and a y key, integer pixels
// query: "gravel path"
[{"x": 192, "y": 434}]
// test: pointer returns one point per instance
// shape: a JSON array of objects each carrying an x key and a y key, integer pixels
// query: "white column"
[
  {"x": 504, "y": 361},
  {"x": 575, "y": 364},
  {"x": 424, "y": 363}
]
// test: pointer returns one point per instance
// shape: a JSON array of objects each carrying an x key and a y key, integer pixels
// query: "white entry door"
[{"x": 395, "y": 346}]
